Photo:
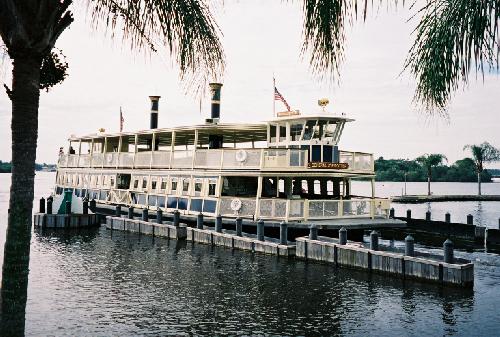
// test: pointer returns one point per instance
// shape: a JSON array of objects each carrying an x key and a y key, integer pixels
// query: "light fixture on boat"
[
  {"x": 323, "y": 102},
  {"x": 102, "y": 130},
  {"x": 215, "y": 90},
  {"x": 153, "y": 122}
]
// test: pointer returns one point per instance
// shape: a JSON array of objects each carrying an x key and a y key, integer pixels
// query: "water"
[{"x": 103, "y": 283}]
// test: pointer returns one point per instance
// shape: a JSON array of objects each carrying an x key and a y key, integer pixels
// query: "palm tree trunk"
[
  {"x": 429, "y": 173},
  {"x": 479, "y": 183},
  {"x": 25, "y": 99}
]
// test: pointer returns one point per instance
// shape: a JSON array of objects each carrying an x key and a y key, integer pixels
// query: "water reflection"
[{"x": 123, "y": 283}]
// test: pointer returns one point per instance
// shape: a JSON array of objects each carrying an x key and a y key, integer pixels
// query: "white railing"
[
  {"x": 356, "y": 208},
  {"x": 213, "y": 158}
]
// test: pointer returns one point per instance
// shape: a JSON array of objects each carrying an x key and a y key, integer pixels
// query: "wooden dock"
[
  {"x": 43, "y": 220},
  {"x": 416, "y": 199}
]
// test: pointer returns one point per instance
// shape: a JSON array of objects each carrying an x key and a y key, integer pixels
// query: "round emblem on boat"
[
  {"x": 241, "y": 155},
  {"x": 236, "y": 204}
]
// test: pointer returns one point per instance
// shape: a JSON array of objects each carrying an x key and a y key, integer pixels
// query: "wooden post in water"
[
  {"x": 447, "y": 217},
  {"x": 448, "y": 251},
  {"x": 42, "y": 205},
  {"x": 283, "y": 233},
  {"x": 145, "y": 214},
  {"x": 374, "y": 240},
  {"x": 159, "y": 216},
  {"x": 428, "y": 216},
  {"x": 50, "y": 200},
  {"x": 85, "y": 206},
  {"x": 218, "y": 224},
  {"x": 409, "y": 246},
  {"x": 118, "y": 211},
  {"x": 313, "y": 232},
  {"x": 343, "y": 236},
  {"x": 470, "y": 219},
  {"x": 130, "y": 214},
  {"x": 177, "y": 218},
  {"x": 239, "y": 225},
  {"x": 408, "y": 214},
  {"x": 260, "y": 230},
  {"x": 199, "y": 221},
  {"x": 391, "y": 212},
  {"x": 93, "y": 205}
]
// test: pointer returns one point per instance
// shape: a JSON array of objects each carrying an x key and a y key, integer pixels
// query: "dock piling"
[
  {"x": 391, "y": 212},
  {"x": 239, "y": 225},
  {"x": 50, "y": 200},
  {"x": 145, "y": 214},
  {"x": 199, "y": 221},
  {"x": 92, "y": 205},
  {"x": 470, "y": 219},
  {"x": 408, "y": 214},
  {"x": 283, "y": 233},
  {"x": 218, "y": 224},
  {"x": 374, "y": 240},
  {"x": 409, "y": 246},
  {"x": 67, "y": 209},
  {"x": 159, "y": 216},
  {"x": 428, "y": 216},
  {"x": 118, "y": 211},
  {"x": 343, "y": 236},
  {"x": 130, "y": 214},
  {"x": 448, "y": 251},
  {"x": 42, "y": 205},
  {"x": 313, "y": 232},
  {"x": 447, "y": 217},
  {"x": 260, "y": 230},
  {"x": 85, "y": 206},
  {"x": 177, "y": 218}
]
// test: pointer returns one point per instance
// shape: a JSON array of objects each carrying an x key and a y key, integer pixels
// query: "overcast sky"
[{"x": 262, "y": 38}]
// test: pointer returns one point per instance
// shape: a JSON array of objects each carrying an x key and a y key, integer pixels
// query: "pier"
[{"x": 417, "y": 199}]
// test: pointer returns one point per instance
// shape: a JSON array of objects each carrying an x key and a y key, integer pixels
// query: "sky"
[{"x": 261, "y": 38}]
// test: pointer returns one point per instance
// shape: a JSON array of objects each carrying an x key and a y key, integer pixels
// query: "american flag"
[
  {"x": 279, "y": 97},
  {"x": 121, "y": 120}
]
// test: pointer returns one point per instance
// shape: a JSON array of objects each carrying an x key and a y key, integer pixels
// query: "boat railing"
[{"x": 212, "y": 159}]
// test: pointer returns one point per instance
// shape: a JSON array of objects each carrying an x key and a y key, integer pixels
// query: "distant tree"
[
  {"x": 428, "y": 161},
  {"x": 482, "y": 154}
]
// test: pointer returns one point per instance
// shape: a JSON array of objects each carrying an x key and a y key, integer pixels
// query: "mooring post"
[
  {"x": 218, "y": 223},
  {"x": 283, "y": 233},
  {"x": 428, "y": 216},
  {"x": 177, "y": 218},
  {"x": 130, "y": 214},
  {"x": 159, "y": 216},
  {"x": 118, "y": 211},
  {"x": 145, "y": 214},
  {"x": 447, "y": 217},
  {"x": 239, "y": 226},
  {"x": 408, "y": 214},
  {"x": 42, "y": 205},
  {"x": 67, "y": 210},
  {"x": 374, "y": 240},
  {"x": 92, "y": 205},
  {"x": 85, "y": 206},
  {"x": 409, "y": 246},
  {"x": 50, "y": 200},
  {"x": 498, "y": 223},
  {"x": 313, "y": 232},
  {"x": 470, "y": 219},
  {"x": 199, "y": 221},
  {"x": 391, "y": 212},
  {"x": 448, "y": 251},
  {"x": 343, "y": 236},
  {"x": 260, "y": 230}
]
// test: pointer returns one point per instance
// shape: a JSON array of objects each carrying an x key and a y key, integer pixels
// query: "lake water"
[{"x": 103, "y": 283}]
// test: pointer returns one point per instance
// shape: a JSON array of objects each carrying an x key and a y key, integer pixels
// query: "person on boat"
[
  {"x": 61, "y": 151},
  {"x": 71, "y": 150}
]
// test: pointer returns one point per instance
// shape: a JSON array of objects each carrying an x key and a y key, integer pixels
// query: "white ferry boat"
[{"x": 288, "y": 169}]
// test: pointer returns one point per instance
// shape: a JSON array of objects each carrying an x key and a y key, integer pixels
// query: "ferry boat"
[{"x": 289, "y": 168}]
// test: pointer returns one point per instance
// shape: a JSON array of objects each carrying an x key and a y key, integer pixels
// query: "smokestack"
[
  {"x": 215, "y": 92},
  {"x": 153, "y": 124}
]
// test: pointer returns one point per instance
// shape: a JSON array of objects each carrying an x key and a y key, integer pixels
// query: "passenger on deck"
[
  {"x": 61, "y": 151},
  {"x": 71, "y": 150}
]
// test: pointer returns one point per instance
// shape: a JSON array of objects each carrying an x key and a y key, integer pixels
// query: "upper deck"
[{"x": 302, "y": 143}]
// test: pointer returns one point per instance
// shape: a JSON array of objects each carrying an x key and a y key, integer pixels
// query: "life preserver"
[
  {"x": 241, "y": 156},
  {"x": 236, "y": 204}
]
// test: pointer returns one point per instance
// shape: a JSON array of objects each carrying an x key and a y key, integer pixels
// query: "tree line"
[{"x": 6, "y": 167}]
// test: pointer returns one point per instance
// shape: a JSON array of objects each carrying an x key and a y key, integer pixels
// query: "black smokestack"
[
  {"x": 215, "y": 91},
  {"x": 153, "y": 124}
]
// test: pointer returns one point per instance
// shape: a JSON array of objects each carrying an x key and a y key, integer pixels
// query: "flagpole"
[{"x": 274, "y": 96}]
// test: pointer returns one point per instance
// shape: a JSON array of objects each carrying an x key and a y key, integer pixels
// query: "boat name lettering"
[{"x": 326, "y": 165}]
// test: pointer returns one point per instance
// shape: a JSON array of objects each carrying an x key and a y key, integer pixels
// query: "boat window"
[
  {"x": 296, "y": 131},
  {"x": 164, "y": 181},
  {"x": 240, "y": 186},
  {"x": 153, "y": 183},
  {"x": 272, "y": 132},
  {"x": 136, "y": 183},
  {"x": 282, "y": 133},
  {"x": 309, "y": 129},
  {"x": 144, "y": 182},
  {"x": 197, "y": 187},
  {"x": 329, "y": 130},
  {"x": 123, "y": 181},
  {"x": 111, "y": 181},
  {"x": 173, "y": 186},
  {"x": 211, "y": 188},
  {"x": 329, "y": 187},
  {"x": 185, "y": 186},
  {"x": 317, "y": 187}
]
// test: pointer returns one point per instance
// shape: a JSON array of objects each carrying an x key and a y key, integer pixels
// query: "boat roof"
[{"x": 242, "y": 132}]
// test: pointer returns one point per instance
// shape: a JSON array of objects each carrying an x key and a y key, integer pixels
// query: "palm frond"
[
  {"x": 185, "y": 27},
  {"x": 453, "y": 37}
]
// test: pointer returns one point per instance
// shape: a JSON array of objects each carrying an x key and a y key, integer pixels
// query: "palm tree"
[
  {"x": 428, "y": 161},
  {"x": 29, "y": 30},
  {"x": 452, "y": 38},
  {"x": 481, "y": 154}
]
